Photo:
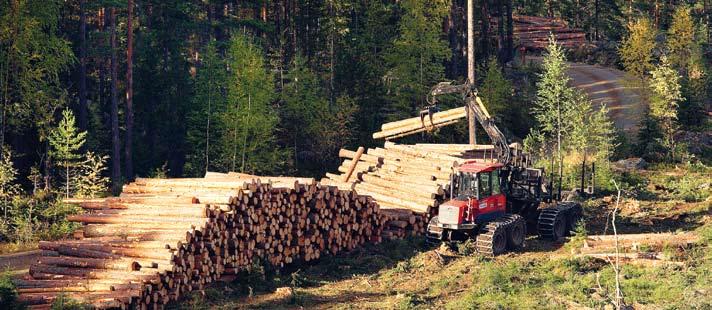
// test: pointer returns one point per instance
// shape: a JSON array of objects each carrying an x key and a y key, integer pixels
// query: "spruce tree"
[
  {"x": 303, "y": 100},
  {"x": 248, "y": 139},
  {"x": 555, "y": 99},
  {"x": 636, "y": 50},
  {"x": 208, "y": 103},
  {"x": 665, "y": 100},
  {"x": 417, "y": 58},
  {"x": 66, "y": 141},
  {"x": 496, "y": 92}
]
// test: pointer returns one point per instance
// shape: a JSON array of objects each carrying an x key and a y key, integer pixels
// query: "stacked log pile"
[
  {"x": 533, "y": 32},
  {"x": 162, "y": 238},
  {"x": 408, "y": 181}
]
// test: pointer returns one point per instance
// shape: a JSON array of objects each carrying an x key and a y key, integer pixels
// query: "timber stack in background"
[
  {"x": 533, "y": 32},
  {"x": 164, "y": 237}
]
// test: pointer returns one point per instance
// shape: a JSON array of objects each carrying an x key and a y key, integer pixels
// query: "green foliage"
[
  {"x": 579, "y": 236},
  {"x": 303, "y": 102},
  {"x": 649, "y": 145},
  {"x": 8, "y": 187},
  {"x": 91, "y": 180},
  {"x": 417, "y": 56},
  {"x": 63, "y": 302},
  {"x": 208, "y": 103},
  {"x": 665, "y": 100},
  {"x": 247, "y": 143},
  {"x": 164, "y": 48},
  {"x": 8, "y": 292},
  {"x": 554, "y": 97},
  {"x": 66, "y": 141},
  {"x": 496, "y": 93},
  {"x": 312, "y": 128},
  {"x": 33, "y": 57},
  {"x": 637, "y": 48},
  {"x": 695, "y": 87},
  {"x": 467, "y": 248},
  {"x": 680, "y": 41},
  {"x": 569, "y": 130},
  {"x": 690, "y": 187}
]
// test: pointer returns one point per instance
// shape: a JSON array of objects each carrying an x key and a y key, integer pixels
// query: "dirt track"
[
  {"x": 18, "y": 261},
  {"x": 608, "y": 86}
]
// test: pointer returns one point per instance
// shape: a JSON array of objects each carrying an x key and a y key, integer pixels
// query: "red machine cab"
[{"x": 477, "y": 196}]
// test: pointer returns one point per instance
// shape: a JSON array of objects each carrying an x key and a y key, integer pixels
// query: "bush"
[
  {"x": 8, "y": 292},
  {"x": 65, "y": 303}
]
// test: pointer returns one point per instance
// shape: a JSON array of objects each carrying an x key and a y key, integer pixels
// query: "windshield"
[{"x": 466, "y": 185}]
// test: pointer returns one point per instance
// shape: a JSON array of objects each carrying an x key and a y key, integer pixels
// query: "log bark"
[{"x": 355, "y": 160}]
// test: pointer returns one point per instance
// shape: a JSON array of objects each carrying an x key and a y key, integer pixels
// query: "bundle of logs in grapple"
[
  {"x": 408, "y": 181},
  {"x": 533, "y": 32},
  {"x": 164, "y": 237}
]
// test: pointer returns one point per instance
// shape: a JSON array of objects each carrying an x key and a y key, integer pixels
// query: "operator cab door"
[{"x": 492, "y": 202}]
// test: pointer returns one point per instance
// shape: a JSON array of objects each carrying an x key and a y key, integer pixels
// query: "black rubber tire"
[
  {"x": 552, "y": 224},
  {"x": 561, "y": 225},
  {"x": 517, "y": 233},
  {"x": 492, "y": 239},
  {"x": 574, "y": 216},
  {"x": 499, "y": 242}
]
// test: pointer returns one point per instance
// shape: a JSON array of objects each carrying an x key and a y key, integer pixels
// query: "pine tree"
[
  {"x": 66, "y": 141},
  {"x": 636, "y": 49},
  {"x": 248, "y": 142},
  {"x": 680, "y": 41},
  {"x": 665, "y": 100}
]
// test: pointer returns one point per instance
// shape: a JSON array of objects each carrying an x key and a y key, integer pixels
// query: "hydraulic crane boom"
[{"x": 473, "y": 102}]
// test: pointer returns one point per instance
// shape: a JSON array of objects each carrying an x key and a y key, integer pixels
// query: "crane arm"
[
  {"x": 498, "y": 139},
  {"x": 473, "y": 102}
]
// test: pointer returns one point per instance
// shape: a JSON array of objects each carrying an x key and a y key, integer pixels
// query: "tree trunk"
[
  {"x": 471, "y": 127},
  {"x": 129, "y": 94},
  {"x": 597, "y": 10},
  {"x": 510, "y": 32},
  {"x": 83, "y": 108},
  {"x": 115, "y": 141},
  {"x": 707, "y": 20},
  {"x": 501, "y": 53},
  {"x": 332, "y": 53},
  {"x": 101, "y": 62}
]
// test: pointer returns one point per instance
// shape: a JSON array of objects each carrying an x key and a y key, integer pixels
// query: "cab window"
[
  {"x": 495, "y": 183},
  {"x": 485, "y": 186},
  {"x": 467, "y": 185}
]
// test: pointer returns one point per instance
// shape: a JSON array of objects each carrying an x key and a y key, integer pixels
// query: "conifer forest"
[{"x": 367, "y": 154}]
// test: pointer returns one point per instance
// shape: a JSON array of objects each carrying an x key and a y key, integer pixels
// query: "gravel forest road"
[{"x": 608, "y": 86}]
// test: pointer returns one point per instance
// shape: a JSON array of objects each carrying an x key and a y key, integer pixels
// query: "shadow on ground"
[{"x": 263, "y": 287}]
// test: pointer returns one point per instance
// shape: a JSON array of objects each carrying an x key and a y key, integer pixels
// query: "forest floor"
[
  {"x": 407, "y": 274},
  {"x": 611, "y": 87}
]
